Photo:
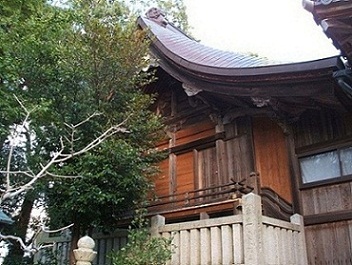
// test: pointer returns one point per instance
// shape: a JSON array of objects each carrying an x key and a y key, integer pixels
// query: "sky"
[{"x": 280, "y": 30}]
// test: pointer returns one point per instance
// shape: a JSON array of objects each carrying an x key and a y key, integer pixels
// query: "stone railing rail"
[{"x": 247, "y": 239}]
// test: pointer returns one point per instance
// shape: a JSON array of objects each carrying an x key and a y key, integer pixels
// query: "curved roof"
[
  {"x": 181, "y": 50},
  {"x": 222, "y": 73},
  {"x": 335, "y": 18},
  {"x": 196, "y": 53}
]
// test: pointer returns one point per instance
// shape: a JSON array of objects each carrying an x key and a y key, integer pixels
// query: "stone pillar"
[
  {"x": 85, "y": 254},
  {"x": 301, "y": 251},
  {"x": 155, "y": 222},
  {"x": 252, "y": 229}
]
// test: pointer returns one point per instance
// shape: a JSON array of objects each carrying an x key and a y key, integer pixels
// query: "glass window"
[
  {"x": 328, "y": 165},
  {"x": 346, "y": 161}
]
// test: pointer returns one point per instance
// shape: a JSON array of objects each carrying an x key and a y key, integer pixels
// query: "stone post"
[
  {"x": 155, "y": 222},
  {"x": 252, "y": 229},
  {"x": 302, "y": 257},
  {"x": 85, "y": 254}
]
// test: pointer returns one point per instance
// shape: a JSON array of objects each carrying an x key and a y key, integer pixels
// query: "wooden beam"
[{"x": 328, "y": 217}]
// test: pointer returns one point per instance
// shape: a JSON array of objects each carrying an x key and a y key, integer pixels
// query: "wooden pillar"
[
  {"x": 220, "y": 153},
  {"x": 172, "y": 163}
]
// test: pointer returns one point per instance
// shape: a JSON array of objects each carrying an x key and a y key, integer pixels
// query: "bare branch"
[
  {"x": 8, "y": 167},
  {"x": 59, "y": 157},
  {"x": 35, "y": 178},
  {"x": 74, "y": 127},
  {"x": 62, "y": 176},
  {"x": 26, "y": 173},
  {"x": 39, "y": 247},
  {"x": 28, "y": 249},
  {"x": 97, "y": 141},
  {"x": 10, "y": 191},
  {"x": 15, "y": 134},
  {"x": 28, "y": 112},
  {"x": 57, "y": 230},
  {"x": 84, "y": 121}
]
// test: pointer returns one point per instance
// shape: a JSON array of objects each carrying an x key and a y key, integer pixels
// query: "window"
[{"x": 328, "y": 165}]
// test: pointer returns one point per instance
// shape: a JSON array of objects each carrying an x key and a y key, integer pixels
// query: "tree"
[
  {"x": 29, "y": 31},
  {"x": 68, "y": 63},
  {"x": 108, "y": 55},
  {"x": 18, "y": 181}
]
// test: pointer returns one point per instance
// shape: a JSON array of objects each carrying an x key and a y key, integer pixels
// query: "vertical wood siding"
[
  {"x": 206, "y": 168},
  {"x": 105, "y": 244},
  {"x": 327, "y": 199},
  {"x": 319, "y": 127},
  {"x": 162, "y": 181},
  {"x": 184, "y": 173},
  {"x": 239, "y": 155},
  {"x": 271, "y": 157},
  {"x": 329, "y": 242}
]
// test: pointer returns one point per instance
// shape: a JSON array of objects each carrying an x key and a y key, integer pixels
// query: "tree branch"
[
  {"x": 31, "y": 248},
  {"x": 11, "y": 191}
]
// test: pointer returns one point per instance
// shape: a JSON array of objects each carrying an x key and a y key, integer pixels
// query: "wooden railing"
[
  {"x": 197, "y": 197},
  {"x": 247, "y": 239},
  {"x": 273, "y": 205}
]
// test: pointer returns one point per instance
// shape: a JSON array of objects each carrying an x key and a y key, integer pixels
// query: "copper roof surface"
[
  {"x": 208, "y": 71},
  {"x": 194, "y": 52},
  {"x": 177, "y": 50}
]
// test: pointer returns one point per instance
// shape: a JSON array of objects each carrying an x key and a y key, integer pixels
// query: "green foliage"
[
  {"x": 142, "y": 248},
  {"x": 20, "y": 261},
  {"x": 113, "y": 179},
  {"x": 66, "y": 63},
  {"x": 107, "y": 54},
  {"x": 49, "y": 257}
]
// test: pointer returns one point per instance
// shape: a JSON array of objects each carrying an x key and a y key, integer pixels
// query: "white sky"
[{"x": 281, "y": 30}]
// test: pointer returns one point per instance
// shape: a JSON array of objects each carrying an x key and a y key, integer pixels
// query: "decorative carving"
[
  {"x": 190, "y": 91},
  {"x": 156, "y": 15},
  {"x": 240, "y": 188},
  {"x": 326, "y": 2},
  {"x": 260, "y": 102}
]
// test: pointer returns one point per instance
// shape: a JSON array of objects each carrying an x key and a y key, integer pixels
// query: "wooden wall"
[
  {"x": 327, "y": 207},
  {"x": 271, "y": 156},
  {"x": 202, "y": 152},
  {"x": 178, "y": 170},
  {"x": 327, "y": 199},
  {"x": 205, "y": 153},
  {"x": 198, "y": 159},
  {"x": 330, "y": 243}
]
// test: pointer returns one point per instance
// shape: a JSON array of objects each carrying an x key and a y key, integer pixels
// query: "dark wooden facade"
[
  {"x": 237, "y": 124},
  {"x": 326, "y": 205}
]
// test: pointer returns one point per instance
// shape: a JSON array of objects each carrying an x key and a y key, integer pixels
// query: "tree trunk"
[
  {"x": 20, "y": 228},
  {"x": 74, "y": 239}
]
